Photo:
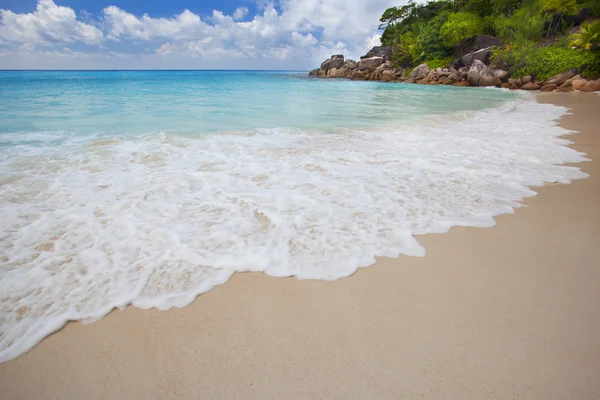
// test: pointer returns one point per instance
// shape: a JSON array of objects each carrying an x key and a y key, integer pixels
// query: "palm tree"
[{"x": 588, "y": 36}]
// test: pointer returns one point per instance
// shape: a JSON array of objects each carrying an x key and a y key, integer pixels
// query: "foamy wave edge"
[{"x": 530, "y": 118}]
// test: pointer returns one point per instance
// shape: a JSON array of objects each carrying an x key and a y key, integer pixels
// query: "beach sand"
[{"x": 509, "y": 312}]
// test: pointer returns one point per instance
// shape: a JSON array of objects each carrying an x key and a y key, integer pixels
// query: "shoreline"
[{"x": 488, "y": 312}]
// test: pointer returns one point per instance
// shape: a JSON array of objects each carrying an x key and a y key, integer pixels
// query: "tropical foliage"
[
  {"x": 535, "y": 33},
  {"x": 588, "y": 37}
]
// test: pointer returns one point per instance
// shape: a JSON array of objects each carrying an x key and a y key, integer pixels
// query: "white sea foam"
[{"x": 156, "y": 221}]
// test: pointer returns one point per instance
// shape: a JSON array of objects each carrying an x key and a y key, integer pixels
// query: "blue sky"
[{"x": 226, "y": 34}]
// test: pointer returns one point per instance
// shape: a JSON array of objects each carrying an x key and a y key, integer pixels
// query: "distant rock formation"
[{"x": 470, "y": 69}]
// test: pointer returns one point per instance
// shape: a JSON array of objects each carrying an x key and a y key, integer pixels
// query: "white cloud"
[
  {"x": 373, "y": 41},
  {"x": 123, "y": 24},
  {"x": 48, "y": 24},
  {"x": 240, "y": 13},
  {"x": 299, "y": 34}
]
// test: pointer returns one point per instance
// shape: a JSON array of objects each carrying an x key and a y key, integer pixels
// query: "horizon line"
[{"x": 148, "y": 69}]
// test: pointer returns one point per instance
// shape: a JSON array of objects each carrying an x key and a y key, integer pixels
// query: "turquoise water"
[
  {"x": 133, "y": 102},
  {"x": 150, "y": 188}
]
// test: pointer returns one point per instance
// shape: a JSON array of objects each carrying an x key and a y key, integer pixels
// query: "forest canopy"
[{"x": 537, "y": 35}]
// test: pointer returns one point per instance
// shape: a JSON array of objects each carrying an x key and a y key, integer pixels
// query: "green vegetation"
[
  {"x": 588, "y": 37},
  {"x": 535, "y": 34},
  {"x": 461, "y": 26},
  {"x": 546, "y": 62}
]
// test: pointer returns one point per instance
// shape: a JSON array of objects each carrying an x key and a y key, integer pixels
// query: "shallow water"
[{"x": 148, "y": 188}]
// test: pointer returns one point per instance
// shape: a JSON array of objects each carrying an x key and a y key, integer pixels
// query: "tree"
[
  {"x": 557, "y": 10},
  {"x": 461, "y": 26}
]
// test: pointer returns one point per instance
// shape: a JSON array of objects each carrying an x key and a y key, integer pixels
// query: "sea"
[{"x": 148, "y": 188}]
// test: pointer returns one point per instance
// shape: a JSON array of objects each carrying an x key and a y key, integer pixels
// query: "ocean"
[{"x": 148, "y": 188}]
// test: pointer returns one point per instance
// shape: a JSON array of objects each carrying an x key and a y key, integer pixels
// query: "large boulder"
[
  {"x": 359, "y": 75},
  {"x": 549, "y": 87},
  {"x": 501, "y": 74},
  {"x": 388, "y": 75},
  {"x": 590, "y": 86},
  {"x": 578, "y": 84},
  {"x": 335, "y": 61},
  {"x": 370, "y": 63},
  {"x": 480, "y": 75},
  {"x": 350, "y": 64},
  {"x": 341, "y": 72},
  {"x": 530, "y": 86},
  {"x": 467, "y": 60},
  {"x": 420, "y": 72},
  {"x": 384, "y": 52},
  {"x": 477, "y": 43},
  {"x": 560, "y": 79}
]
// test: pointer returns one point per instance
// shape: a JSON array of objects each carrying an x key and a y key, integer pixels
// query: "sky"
[{"x": 185, "y": 34}]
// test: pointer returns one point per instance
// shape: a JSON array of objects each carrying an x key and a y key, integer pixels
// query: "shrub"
[
  {"x": 439, "y": 62},
  {"x": 546, "y": 62},
  {"x": 461, "y": 26}
]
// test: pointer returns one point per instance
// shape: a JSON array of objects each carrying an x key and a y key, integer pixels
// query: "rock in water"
[{"x": 480, "y": 75}]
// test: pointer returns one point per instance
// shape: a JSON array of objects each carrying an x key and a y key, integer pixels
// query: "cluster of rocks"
[
  {"x": 468, "y": 69},
  {"x": 370, "y": 67}
]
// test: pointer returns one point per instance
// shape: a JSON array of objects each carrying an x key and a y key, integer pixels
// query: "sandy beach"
[{"x": 509, "y": 312}]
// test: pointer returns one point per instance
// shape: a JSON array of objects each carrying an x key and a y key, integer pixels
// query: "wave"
[{"x": 154, "y": 221}]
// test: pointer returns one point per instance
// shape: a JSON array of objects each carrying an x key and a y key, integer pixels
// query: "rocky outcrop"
[
  {"x": 480, "y": 75},
  {"x": 384, "y": 52},
  {"x": 467, "y": 60},
  {"x": 419, "y": 73},
  {"x": 377, "y": 66},
  {"x": 551, "y": 87},
  {"x": 370, "y": 63},
  {"x": 388, "y": 75},
  {"x": 475, "y": 44},
  {"x": 501, "y": 74},
  {"x": 562, "y": 78},
  {"x": 530, "y": 86},
  {"x": 336, "y": 61},
  {"x": 351, "y": 64}
]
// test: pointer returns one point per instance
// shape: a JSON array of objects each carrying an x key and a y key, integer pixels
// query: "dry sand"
[{"x": 510, "y": 312}]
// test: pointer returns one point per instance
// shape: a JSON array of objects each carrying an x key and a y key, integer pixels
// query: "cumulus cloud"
[
  {"x": 299, "y": 32},
  {"x": 240, "y": 13},
  {"x": 48, "y": 24}
]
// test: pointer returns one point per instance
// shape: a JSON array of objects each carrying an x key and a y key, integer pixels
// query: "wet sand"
[{"x": 509, "y": 312}]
